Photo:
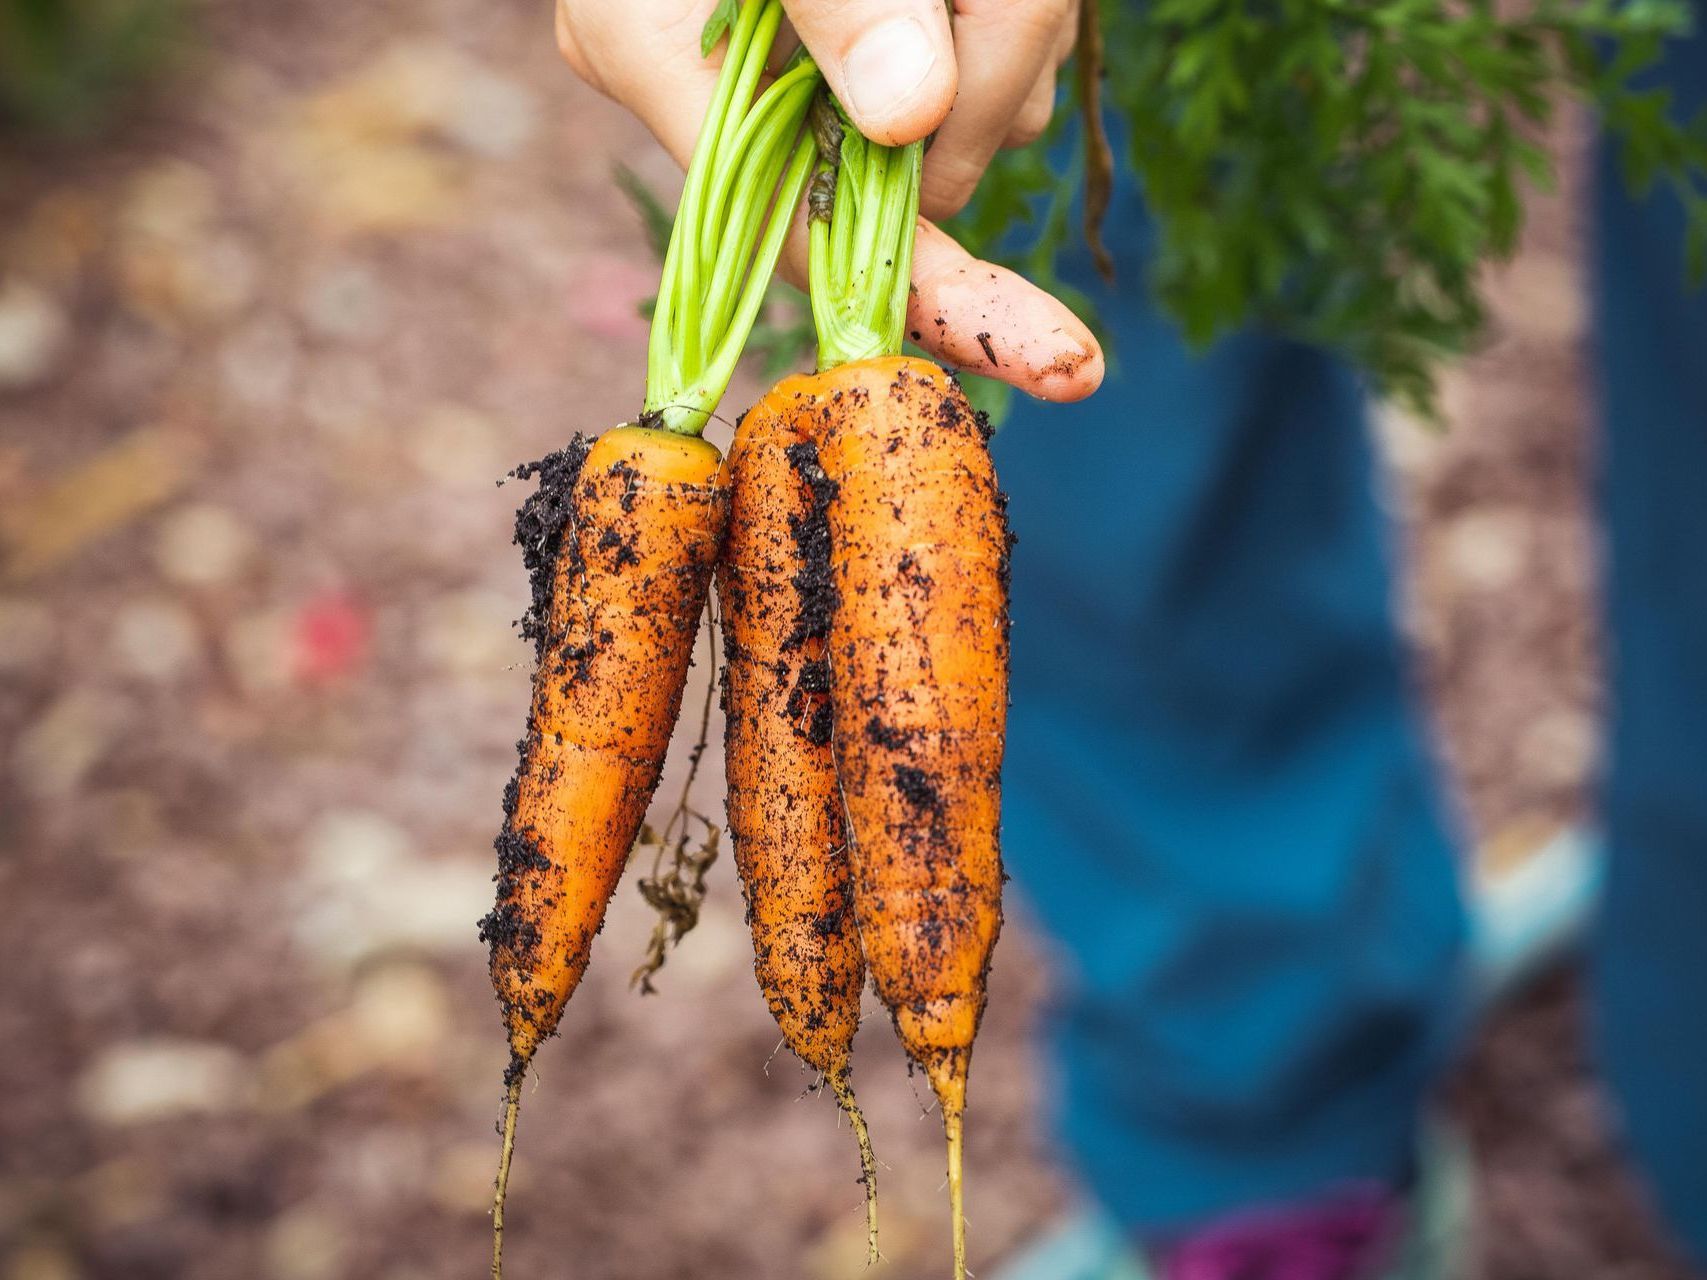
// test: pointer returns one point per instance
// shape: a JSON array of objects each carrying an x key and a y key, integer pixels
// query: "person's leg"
[
  {"x": 1651, "y": 947},
  {"x": 1218, "y": 801}
]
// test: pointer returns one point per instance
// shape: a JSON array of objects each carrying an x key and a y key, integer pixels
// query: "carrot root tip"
[
  {"x": 501, "y": 1188},
  {"x": 952, "y": 1126},
  {"x": 867, "y": 1159}
]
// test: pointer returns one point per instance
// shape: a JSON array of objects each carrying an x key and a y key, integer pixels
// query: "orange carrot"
[
  {"x": 785, "y": 813},
  {"x": 918, "y": 651},
  {"x": 630, "y": 532},
  {"x": 621, "y": 538}
]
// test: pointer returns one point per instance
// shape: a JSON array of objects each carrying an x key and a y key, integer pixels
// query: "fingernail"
[{"x": 886, "y": 66}]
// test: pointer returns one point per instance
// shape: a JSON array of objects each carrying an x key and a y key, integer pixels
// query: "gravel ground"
[{"x": 263, "y": 353}]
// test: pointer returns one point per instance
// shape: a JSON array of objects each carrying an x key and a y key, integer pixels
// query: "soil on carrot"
[
  {"x": 279, "y": 334},
  {"x": 542, "y": 522},
  {"x": 812, "y": 541}
]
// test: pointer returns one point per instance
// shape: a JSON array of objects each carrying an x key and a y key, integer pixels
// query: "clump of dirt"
[
  {"x": 812, "y": 538},
  {"x": 541, "y": 523},
  {"x": 915, "y": 784}
]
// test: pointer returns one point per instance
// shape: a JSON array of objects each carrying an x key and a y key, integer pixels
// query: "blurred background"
[{"x": 284, "y": 289}]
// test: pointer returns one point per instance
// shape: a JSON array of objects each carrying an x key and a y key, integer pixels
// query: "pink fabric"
[{"x": 1345, "y": 1237}]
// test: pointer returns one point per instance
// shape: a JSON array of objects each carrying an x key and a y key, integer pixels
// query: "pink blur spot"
[
  {"x": 331, "y": 635},
  {"x": 606, "y": 293}
]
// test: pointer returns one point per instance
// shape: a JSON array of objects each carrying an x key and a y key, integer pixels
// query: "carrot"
[
  {"x": 919, "y": 656},
  {"x": 918, "y": 640},
  {"x": 620, "y": 540},
  {"x": 785, "y": 813}
]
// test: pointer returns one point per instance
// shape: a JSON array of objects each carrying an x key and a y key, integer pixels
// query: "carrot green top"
[
  {"x": 864, "y": 205},
  {"x": 749, "y": 169}
]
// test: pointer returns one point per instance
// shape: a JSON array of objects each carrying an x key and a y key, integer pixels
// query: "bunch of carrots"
[{"x": 859, "y": 548}]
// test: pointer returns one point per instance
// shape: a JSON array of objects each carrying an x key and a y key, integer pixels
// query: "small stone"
[
  {"x": 41, "y": 1260},
  {"x": 366, "y": 892},
  {"x": 385, "y": 1165},
  {"x": 306, "y": 1243},
  {"x": 346, "y": 302},
  {"x": 261, "y": 650},
  {"x": 207, "y": 278},
  {"x": 202, "y": 545},
  {"x": 258, "y": 363},
  {"x": 469, "y": 633},
  {"x": 462, "y": 1178},
  {"x": 1487, "y": 549},
  {"x": 401, "y": 1012},
  {"x": 35, "y": 335},
  {"x": 59, "y": 235},
  {"x": 356, "y": 847},
  {"x": 174, "y": 200},
  {"x": 143, "y": 1080},
  {"x": 155, "y": 639},
  {"x": 122, "y": 1192},
  {"x": 1543, "y": 297},
  {"x": 341, "y": 394},
  {"x": 27, "y": 634},
  {"x": 490, "y": 114},
  {"x": 457, "y": 445},
  {"x": 1560, "y": 748},
  {"x": 215, "y": 279},
  {"x": 54, "y": 754}
]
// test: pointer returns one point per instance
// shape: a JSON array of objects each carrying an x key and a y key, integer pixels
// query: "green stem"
[
  {"x": 853, "y": 152},
  {"x": 861, "y": 255},
  {"x": 775, "y": 106},
  {"x": 730, "y": 224},
  {"x": 685, "y": 413},
  {"x": 740, "y": 221},
  {"x": 727, "y": 154},
  {"x": 663, "y": 352}
]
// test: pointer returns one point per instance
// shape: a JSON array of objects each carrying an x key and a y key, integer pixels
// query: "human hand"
[{"x": 900, "y": 73}]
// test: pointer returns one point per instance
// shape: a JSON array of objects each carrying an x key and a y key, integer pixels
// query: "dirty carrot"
[
  {"x": 918, "y": 639},
  {"x": 785, "y": 810},
  {"x": 919, "y": 659},
  {"x": 619, "y": 540}
]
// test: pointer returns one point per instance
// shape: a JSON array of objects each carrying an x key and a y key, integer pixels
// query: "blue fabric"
[
  {"x": 1219, "y": 804},
  {"x": 1651, "y": 951}
]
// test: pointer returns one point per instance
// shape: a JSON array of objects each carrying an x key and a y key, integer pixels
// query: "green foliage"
[
  {"x": 721, "y": 20},
  {"x": 655, "y": 219},
  {"x": 63, "y": 62},
  {"x": 1341, "y": 169}
]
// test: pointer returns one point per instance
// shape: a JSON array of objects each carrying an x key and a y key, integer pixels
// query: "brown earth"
[{"x": 263, "y": 352}]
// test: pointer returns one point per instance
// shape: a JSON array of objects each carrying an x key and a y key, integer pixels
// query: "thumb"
[{"x": 889, "y": 62}]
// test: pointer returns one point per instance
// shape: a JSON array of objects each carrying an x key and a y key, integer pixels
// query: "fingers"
[
  {"x": 597, "y": 40},
  {"x": 1034, "y": 113},
  {"x": 986, "y": 319},
  {"x": 891, "y": 63},
  {"x": 967, "y": 313},
  {"x": 1004, "y": 48}
]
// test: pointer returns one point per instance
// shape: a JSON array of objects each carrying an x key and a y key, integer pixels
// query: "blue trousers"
[{"x": 1221, "y": 805}]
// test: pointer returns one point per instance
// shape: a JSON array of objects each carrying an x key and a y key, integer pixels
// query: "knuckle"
[
  {"x": 1033, "y": 117},
  {"x": 568, "y": 47},
  {"x": 1024, "y": 131},
  {"x": 945, "y": 195}
]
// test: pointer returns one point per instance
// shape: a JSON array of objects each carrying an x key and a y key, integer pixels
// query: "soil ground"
[{"x": 263, "y": 351}]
